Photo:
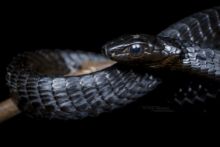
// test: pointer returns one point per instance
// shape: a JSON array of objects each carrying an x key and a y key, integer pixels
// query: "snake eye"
[{"x": 136, "y": 49}]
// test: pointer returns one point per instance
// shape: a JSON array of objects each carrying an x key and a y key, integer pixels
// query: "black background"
[{"x": 87, "y": 27}]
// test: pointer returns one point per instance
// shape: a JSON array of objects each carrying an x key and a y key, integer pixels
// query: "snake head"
[{"x": 133, "y": 48}]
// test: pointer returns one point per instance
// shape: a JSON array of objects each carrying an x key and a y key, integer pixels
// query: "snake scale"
[{"x": 41, "y": 86}]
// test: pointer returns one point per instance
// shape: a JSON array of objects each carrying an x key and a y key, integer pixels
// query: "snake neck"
[
  {"x": 170, "y": 52},
  {"x": 191, "y": 57}
]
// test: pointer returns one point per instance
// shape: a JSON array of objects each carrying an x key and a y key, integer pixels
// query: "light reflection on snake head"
[{"x": 130, "y": 48}]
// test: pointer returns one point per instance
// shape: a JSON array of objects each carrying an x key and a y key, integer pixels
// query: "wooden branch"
[{"x": 8, "y": 109}]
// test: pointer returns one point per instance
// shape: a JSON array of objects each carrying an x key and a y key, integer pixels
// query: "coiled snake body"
[{"x": 41, "y": 85}]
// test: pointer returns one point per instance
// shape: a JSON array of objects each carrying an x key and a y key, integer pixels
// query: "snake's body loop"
[{"x": 41, "y": 83}]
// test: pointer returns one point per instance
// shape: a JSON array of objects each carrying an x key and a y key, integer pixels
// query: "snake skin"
[
  {"x": 202, "y": 28},
  {"x": 197, "y": 28},
  {"x": 37, "y": 79}
]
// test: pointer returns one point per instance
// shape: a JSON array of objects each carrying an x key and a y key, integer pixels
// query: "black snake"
[{"x": 40, "y": 83}]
